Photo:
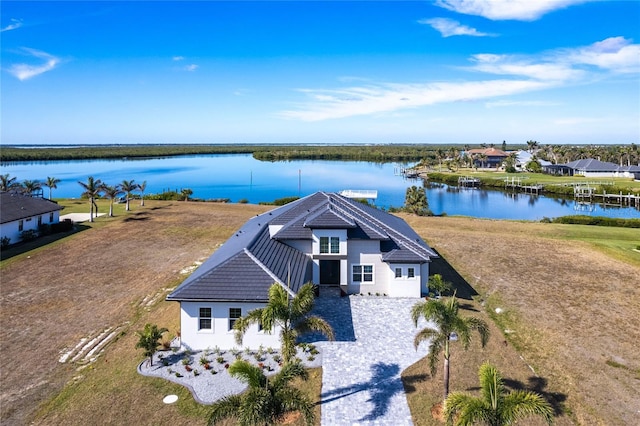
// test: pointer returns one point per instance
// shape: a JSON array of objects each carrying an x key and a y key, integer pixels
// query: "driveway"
[{"x": 361, "y": 370}]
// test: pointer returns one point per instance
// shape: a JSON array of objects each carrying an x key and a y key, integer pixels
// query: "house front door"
[{"x": 330, "y": 272}]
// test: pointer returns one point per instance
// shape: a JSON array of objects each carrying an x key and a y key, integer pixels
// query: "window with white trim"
[
  {"x": 411, "y": 272},
  {"x": 398, "y": 272},
  {"x": 329, "y": 245},
  {"x": 234, "y": 314},
  {"x": 204, "y": 319},
  {"x": 362, "y": 273}
]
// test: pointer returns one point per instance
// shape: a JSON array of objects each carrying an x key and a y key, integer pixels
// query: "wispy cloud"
[
  {"x": 518, "y": 74},
  {"x": 191, "y": 67},
  {"x": 506, "y": 103},
  {"x": 521, "y": 10},
  {"x": 449, "y": 27},
  {"x": 178, "y": 58},
  {"x": 15, "y": 24},
  {"x": 26, "y": 71}
]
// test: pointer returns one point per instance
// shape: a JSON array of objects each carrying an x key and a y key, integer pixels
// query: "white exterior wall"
[
  {"x": 220, "y": 335},
  {"x": 367, "y": 252},
  {"x": 11, "y": 229},
  {"x": 405, "y": 286},
  {"x": 315, "y": 251}
]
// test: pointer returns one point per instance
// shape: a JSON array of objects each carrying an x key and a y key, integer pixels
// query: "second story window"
[{"x": 329, "y": 245}]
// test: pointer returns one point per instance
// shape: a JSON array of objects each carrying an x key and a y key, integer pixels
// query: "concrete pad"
[{"x": 79, "y": 217}]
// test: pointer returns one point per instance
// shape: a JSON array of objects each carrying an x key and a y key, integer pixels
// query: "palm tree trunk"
[
  {"x": 91, "y": 210},
  {"x": 446, "y": 378}
]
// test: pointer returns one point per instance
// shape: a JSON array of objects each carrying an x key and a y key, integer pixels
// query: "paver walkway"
[{"x": 361, "y": 382}]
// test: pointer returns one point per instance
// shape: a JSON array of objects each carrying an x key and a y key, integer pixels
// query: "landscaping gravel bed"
[{"x": 210, "y": 381}]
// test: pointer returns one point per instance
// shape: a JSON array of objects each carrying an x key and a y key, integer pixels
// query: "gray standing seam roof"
[{"x": 248, "y": 263}]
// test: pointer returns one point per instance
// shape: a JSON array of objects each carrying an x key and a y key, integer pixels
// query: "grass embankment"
[
  {"x": 558, "y": 185},
  {"x": 561, "y": 287}
]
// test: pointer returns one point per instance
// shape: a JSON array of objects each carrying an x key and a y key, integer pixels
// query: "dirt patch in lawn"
[
  {"x": 78, "y": 292},
  {"x": 570, "y": 309}
]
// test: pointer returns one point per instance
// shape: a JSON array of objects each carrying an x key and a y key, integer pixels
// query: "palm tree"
[
  {"x": 447, "y": 321},
  {"x": 186, "y": 193},
  {"x": 267, "y": 400},
  {"x": 495, "y": 406},
  {"x": 291, "y": 314},
  {"x": 142, "y": 187},
  {"x": 111, "y": 192},
  {"x": 6, "y": 182},
  {"x": 148, "y": 340},
  {"x": 438, "y": 284},
  {"x": 128, "y": 186},
  {"x": 51, "y": 183},
  {"x": 92, "y": 190},
  {"x": 31, "y": 186},
  {"x": 415, "y": 201}
]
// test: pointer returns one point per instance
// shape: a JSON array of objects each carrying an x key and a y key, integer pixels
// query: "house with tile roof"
[
  {"x": 341, "y": 245},
  {"x": 20, "y": 212},
  {"x": 487, "y": 157}
]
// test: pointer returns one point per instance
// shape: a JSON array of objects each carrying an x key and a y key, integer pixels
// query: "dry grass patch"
[{"x": 571, "y": 304}]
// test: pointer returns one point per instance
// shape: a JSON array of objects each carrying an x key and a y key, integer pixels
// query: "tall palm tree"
[
  {"x": 31, "y": 186},
  {"x": 111, "y": 192},
  {"x": 92, "y": 189},
  {"x": 51, "y": 183},
  {"x": 267, "y": 400},
  {"x": 7, "y": 182},
  {"x": 128, "y": 186},
  {"x": 495, "y": 406},
  {"x": 142, "y": 187},
  {"x": 291, "y": 314},
  {"x": 148, "y": 340},
  {"x": 444, "y": 314}
]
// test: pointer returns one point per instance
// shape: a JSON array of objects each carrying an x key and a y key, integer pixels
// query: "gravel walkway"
[{"x": 361, "y": 382}]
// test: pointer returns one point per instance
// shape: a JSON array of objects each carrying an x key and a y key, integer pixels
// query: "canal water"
[{"x": 241, "y": 177}]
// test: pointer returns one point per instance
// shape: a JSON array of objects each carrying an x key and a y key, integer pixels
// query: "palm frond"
[
  {"x": 425, "y": 334},
  {"x": 492, "y": 386},
  {"x": 248, "y": 373},
  {"x": 293, "y": 399},
  {"x": 315, "y": 323},
  {"x": 465, "y": 410},
  {"x": 302, "y": 303},
  {"x": 435, "y": 348},
  {"x": 520, "y": 404},
  {"x": 429, "y": 310},
  {"x": 481, "y": 327},
  {"x": 225, "y": 408},
  {"x": 242, "y": 324},
  {"x": 289, "y": 372}
]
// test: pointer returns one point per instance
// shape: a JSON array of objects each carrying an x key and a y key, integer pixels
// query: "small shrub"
[
  {"x": 203, "y": 360},
  {"x": 214, "y": 372},
  {"x": 165, "y": 362},
  {"x": 28, "y": 235},
  {"x": 311, "y": 358},
  {"x": 179, "y": 375},
  {"x": 4, "y": 242},
  {"x": 220, "y": 360},
  {"x": 226, "y": 365},
  {"x": 186, "y": 361},
  {"x": 243, "y": 201},
  {"x": 188, "y": 367},
  {"x": 196, "y": 373}
]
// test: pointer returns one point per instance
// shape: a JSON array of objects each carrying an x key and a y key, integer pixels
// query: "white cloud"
[
  {"x": 505, "y": 103},
  {"x": 330, "y": 104},
  {"x": 178, "y": 58},
  {"x": 26, "y": 71},
  {"x": 15, "y": 24},
  {"x": 518, "y": 74},
  {"x": 521, "y": 10},
  {"x": 191, "y": 67},
  {"x": 449, "y": 27}
]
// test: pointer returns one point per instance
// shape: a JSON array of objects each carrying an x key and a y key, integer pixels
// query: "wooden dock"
[
  {"x": 517, "y": 184},
  {"x": 468, "y": 182},
  {"x": 588, "y": 194}
]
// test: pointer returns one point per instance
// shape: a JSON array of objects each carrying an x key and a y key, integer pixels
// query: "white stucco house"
[
  {"x": 343, "y": 246},
  {"x": 20, "y": 212}
]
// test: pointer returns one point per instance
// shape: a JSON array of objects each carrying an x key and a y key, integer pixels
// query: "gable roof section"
[
  {"x": 593, "y": 165},
  {"x": 14, "y": 206}
]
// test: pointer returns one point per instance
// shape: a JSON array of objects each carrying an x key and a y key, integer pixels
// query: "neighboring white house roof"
[
  {"x": 525, "y": 157},
  {"x": 593, "y": 165},
  {"x": 15, "y": 206},
  {"x": 249, "y": 262}
]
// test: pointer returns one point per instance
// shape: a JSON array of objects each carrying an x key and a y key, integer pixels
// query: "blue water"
[{"x": 242, "y": 177}]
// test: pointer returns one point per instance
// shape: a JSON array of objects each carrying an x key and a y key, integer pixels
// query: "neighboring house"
[
  {"x": 493, "y": 157},
  {"x": 19, "y": 212},
  {"x": 524, "y": 158},
  {"x": 343, "y": 246},
  {"x": 590, "y": 167}
]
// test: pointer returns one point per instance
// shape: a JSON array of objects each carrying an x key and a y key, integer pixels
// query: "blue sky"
[{"x": 447, "y": 71}]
